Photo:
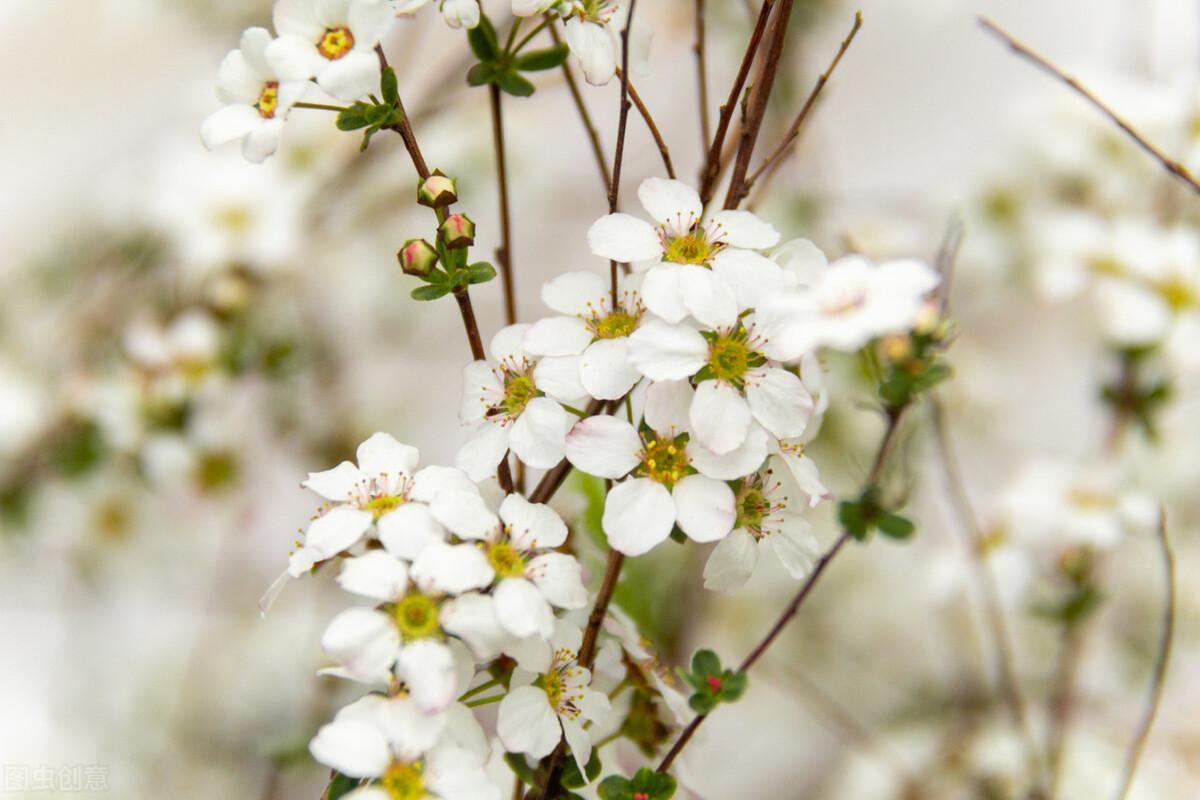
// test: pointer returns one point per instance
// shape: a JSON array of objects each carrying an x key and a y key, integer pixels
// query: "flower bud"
[
  {"x": 417, "y": 257},
  {"x": 458, "y": 231},
  {"x": 437, "y": 191}
]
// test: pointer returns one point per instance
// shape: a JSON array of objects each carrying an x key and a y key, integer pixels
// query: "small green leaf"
[
  {"x": 482, "y": 39},
  {"x": 853, "y": 517},
  {"x": 521, "y": 767},
  {"x": 353, "y": 118},
  {"x": 481, "y": 74},
  {"x": 705, "y": 663},
  {"x": 537, "y": 60},
  {"x": 340, "y": 786},
  {"x": 733, "y": 686},
  {"x": 480, "y": 272},
  {"x": 895, "y": 526},
  {"x": 570, "y": 774},
  {"x": 514, "y": 84},
  {"x": 378, "y": 115},
  {"x": 389, "y": 86},
  {"x": 652, "y": 785},
  {"x": 429, "y": 292}
]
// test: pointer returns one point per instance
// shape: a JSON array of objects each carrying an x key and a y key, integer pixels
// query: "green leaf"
[
  {"x": 537, "y": 60},
  {"x": 514, "y": 84},
  {"x": 853, "y": 517},
  {"x": 705, "y": 663},
  {"x": 481, "y": 74},
  {"x": 78, "y": 449},
  {"x": 702, "y": 703},
  {"x": 895, "y": 526},
  {"x": 389, "y": 86},
  {"x": 480, "y": 272},
  {"x": 378, "y": 115},
  {"x": 353, "y": 118},
  {"x": 340, "y": 786},
  {"x": 482, "y": 39},
  {"x": 654, "y": 785},
  {"x": 570, "y": 774},
  {"x": 733, "y": 686},
  {"x": 520, "y": 766},
  {"x": 430, "y": 292}
]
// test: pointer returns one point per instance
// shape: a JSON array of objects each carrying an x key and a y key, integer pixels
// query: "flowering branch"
[{"x": 1170, "y": 165}]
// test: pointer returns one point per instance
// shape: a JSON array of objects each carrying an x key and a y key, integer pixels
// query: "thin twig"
[
  {"x": 1062, "y": 700},
  {"x": 886, "y": 446},
  {"x": 503, "y": 473},
  {"x": 612, "y": 572},
  {"x": 614, "y": 189},
  {"x": 663, "y": 150},
  {"x": 702, "y": 74},
  {"x": 772, "y": 162},
  {"x": 758, "y": 105},
  {"x": 1170, "y": 165},
  {"x": 713, "y": 161},
  {"x": 504, "y": 254},
  {"x": 589, "y": 126},
  {"x": 1161, "y": 662},
  {"x": 1005, "y": 663}
]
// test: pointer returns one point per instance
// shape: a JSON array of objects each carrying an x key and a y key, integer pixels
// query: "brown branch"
[
  {"x": 612, "y": 572},
  {"x": 772, "y": 162},
  {"x": 504, "y": 254},
  {"x": 614, "y": 188},
  {"x": 886, "y": 446},
  {"x": 758, "y": 105},
  {"x": 1062, "y": 700},
  {"x": 713, "y": 161},
  {"x": 503, "y": 473},
  {"x": 589, "y": 126},
  {"x": 702, "y": 74},
  {"x": 663, "y": 150},
  {"x": 1170, "y": 165},
  {"x": 1161, "y": 662},
  {"x": 1005, "y": 663}
]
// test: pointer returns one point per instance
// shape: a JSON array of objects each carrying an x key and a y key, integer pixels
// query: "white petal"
[
  {"x": 509, "y": 343},
  {"x": 375, "y": 574},
  {"x": 238, "y": 81},
  {"x": 706, "y": 297},
  {"x": 803, "y": 470},
  {"x": 667, "y": 406},
  {"x": 558, "y": 376},
  {"x": 381, "y": 454},
  {"x": 604, "y": 446},
  {"x": 527, "y": 723},
  {"x": 788, "y": 323},
  {"x": 410, "y": 731},
  {"x": 430, "y": 481},
  {"x": 594, "y": 48},
  {"x": 298, "y": 17},
  {"x": 665, "y": 352},
  {"x": 352, "y": 747},
  {"x": 704, "y": 508},
  {"x": 532, "y": 525},
  {"x": 744, "y": 229},
  {"x": 472, "y": 618},
  {"x": 480, "y": 456},
  {"x": 451, "y": 569},
  {"x": 369, "y": 20},
  {"x": 781, "y": 403},
  {"x": 406, "y": 531},
  {"x": 262, "y": 142},
  {"x": 795, "y": 547},
  {"x": 538, "y": 435},
  {"x": 336, "y": 530},
  {"x": 801, "y": 261},
  {"x": 293, "y": 57},
  {"x": 253, "y": 45},
  {"x": 719, "y": 416},
  {"x": 575, "y": 293},
  {"x": 579, "y": 741},
  {"x": 427, "y": 667},
  {"x": 662, "y": 295},
  {"x": 522, "y": 609},
  {"x": 466, "y": 514},
  {"x": 560, "y": 578},
  {"x": 751, "y": 276},
  {"x": 228, "y": 123},
  {"x": 605, "y": 370},
  {"x": 670, "y": 202},
  {"x": 481, "y": 387},
  {"x": 353, "y": 76},
  {"x": 334, "y": 484},
  {"x": 638, "y": 515},
  {"x": 624, "y": 238},
  {"x": 741, "y": 461},
  {"x": 558, "y": 336},
  {"x": 363, "y": 642},
  {"x": 731, "y": 562}
]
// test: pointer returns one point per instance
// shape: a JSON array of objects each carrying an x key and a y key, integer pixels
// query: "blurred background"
[{"x": 183, "y": 336}]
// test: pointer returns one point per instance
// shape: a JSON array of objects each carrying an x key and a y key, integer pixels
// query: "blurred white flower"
[
  {"x": 332, "y": 41},
  {"x": 594, "y": 36},
  {"x": 457, "y": 13}
]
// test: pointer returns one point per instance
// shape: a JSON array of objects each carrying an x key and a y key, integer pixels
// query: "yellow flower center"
[
  {"x": 752, "y": 509},
  {"x": 383, "y": 504},
  {"x": 404, "y": 781},
  {"x": 553, "y": 684},
  {"x": 615, "y": 325},
  {"x": 731, "y": 357},
  {"x": 335, "y": 43},
  {"x": 665, "y": 461},
  {"x": 518, "y": 391},
  {"x": 506, "y": 560},
  {"x": 691, "y": 248},
  {"x": 417, "y": 617},
  {"x": 1090, "y": 500},
  {"x": 268, "y": 101},
  {"x": 1177, "y": 293}
]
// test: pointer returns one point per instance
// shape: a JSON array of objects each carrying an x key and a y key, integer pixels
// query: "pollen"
[
  {"x": 731, "y": 356},
  {"x": 665, "y": 460},
  {"x": 506, "y": 560},
  {"x": 692, "y": 248},
  {"x": 404, "y": 781},
  {"x": 268, "y": 101},
  {"x": 615, "y": 325},
  {"x": 335, "y": 43},
  {"x": 383, "y": 504},
  {"x": 518, "y": 391},
  {"x": 417, "y": 617}
]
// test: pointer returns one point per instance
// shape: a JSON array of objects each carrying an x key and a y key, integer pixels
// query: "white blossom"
[{"x": 332, "y": 41}]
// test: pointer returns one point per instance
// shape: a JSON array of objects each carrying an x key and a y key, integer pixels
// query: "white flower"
[
  {"x": 736, "y": 384},
  {"x": 457, "y": 13},
  {"x": 422, "y": 606},
  {"x": 593, "y": 330},
  {"x": 406, "y": 753},
  {"x": 850, "y": 303},
  {"x": 669, "y": 478},
  {"x": 332, "y": 41},
  {"x": 533, "y": 719},
  {"x": 188, "y": 345},
  {"x": 257, "y": 99},
  {"x": 531, "y": 578},
  {"x": 766, "y": 520},
  {"x": 514, "y": 405},
  {"x": 594, "y": 35},
  {"x": 383, "y": 490},
  {"x": 706, "y": 269}
]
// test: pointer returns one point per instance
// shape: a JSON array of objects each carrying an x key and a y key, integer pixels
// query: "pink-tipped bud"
[
  {"x": 437, "y": 191},
  {"x": 458, "y": 231},
  {"x": 417, "y": 257}
]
